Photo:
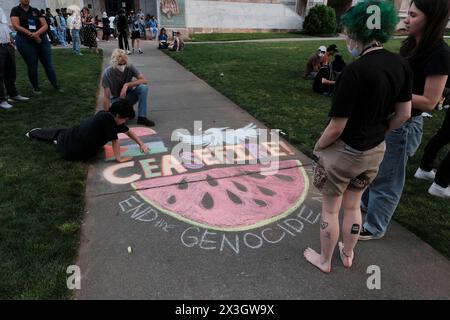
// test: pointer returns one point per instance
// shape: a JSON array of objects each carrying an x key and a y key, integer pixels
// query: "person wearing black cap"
[{"x": 331, "y": 50}]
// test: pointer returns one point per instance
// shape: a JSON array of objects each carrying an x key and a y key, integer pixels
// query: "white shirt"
[
  {"x": 111, "y": 22},
  {"x": 74, "y": 21}
]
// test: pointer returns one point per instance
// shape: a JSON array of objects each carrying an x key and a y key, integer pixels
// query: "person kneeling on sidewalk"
[
  {"x": 84, "y": 141},
  {"x": 117, "y": 82}
]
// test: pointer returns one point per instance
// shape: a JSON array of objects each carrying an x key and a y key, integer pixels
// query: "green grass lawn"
[
  {"x": 266, "y": 80},
  {"x": 42, "y": 197},
  {"x": 244, "y": 36}
]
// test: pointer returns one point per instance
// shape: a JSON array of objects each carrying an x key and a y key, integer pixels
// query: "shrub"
[{"x": 320, "y": 20}]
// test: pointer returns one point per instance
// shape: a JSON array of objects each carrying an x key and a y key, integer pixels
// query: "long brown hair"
[{"x": 437, "y": 12}]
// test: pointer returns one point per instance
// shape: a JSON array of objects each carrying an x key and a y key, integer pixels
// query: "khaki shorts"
[{"x": 340, "y": 167}]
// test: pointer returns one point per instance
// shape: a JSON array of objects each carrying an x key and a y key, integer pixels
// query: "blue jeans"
[
  {"x": 62, "y": 35},
  {"x": 31, "y": 52},
  {"x": 154, "y": 31},
  {"x": 137, "y": 94},
  {"x": 383, "y": 195},
  {"x": 76, "y": 40}
]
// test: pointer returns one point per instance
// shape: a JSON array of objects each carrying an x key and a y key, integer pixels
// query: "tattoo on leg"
[
  {"x": 323, "y": 225},
  {"x": 328, "y": 235},
  {"x": 355, "y": 229}
]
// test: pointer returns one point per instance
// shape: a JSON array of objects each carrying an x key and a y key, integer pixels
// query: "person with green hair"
[{"x": 372, "y": 96}]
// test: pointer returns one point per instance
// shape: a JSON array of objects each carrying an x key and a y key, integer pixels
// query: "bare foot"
[
  {"x": 347, "y": 259},
  {"x": 315, "y": 259}
]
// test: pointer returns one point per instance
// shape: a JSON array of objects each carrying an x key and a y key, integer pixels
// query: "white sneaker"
[
  {"x": 425, "y": 175},
  {"x": 29, "y": 133},
  {"x": 438, "y": 191},
  {"x": 5, "y": 105},
  {"x": 20, "y": 98},
  {"x": 128, "y": 52}
]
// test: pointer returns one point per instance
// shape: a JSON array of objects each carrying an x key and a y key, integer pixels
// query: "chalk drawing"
[
  {"x": 134, "y": 150},
  {"x": 128, "y": 148},
  {"x": 233, "y": 205},
  {"x": 207, "y": 239},
  {"x": 110, "y": 173},
  {"x": 140, "y": 211},
  {"x": 216, "y": 136},
  {"x": 214, "y": 199},
  {"x": 139, "y": 131},
  {"x": 191, "y": 161}
]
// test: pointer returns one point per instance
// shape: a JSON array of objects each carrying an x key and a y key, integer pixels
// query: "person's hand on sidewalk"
[{"x": 144, "y": 148}]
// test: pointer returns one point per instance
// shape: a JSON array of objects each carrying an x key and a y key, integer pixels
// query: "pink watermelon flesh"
[{"x": 227, "y": 197}]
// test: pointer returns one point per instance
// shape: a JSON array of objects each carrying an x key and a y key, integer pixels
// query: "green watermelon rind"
[{"x": 240, "y": 228}]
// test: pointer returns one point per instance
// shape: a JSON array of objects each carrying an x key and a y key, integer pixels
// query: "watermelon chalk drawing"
[{"x": 229, "y": 199}]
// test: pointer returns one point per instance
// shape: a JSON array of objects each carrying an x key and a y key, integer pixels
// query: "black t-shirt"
[
  {"x": 84, "y": 141},
  {"x": 122, "y": 23},
  {"x": 366, "y": 93},
  {"x": 320, "y": 87},
  {"x": 437, "y": 63},
  {"x": 28, "y": 19}
]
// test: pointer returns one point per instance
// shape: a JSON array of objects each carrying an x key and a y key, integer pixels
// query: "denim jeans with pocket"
[
  {"x": 383, "y": 195},
  {"x": 76, "y": 40},
  {"x": 138, "y": 95},
  {"x": 31, "y": 52}
]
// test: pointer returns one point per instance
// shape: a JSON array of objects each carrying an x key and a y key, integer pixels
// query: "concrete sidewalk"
[
  {"x": 223, "y": 231},
  {"x": 340, "y": 37}
]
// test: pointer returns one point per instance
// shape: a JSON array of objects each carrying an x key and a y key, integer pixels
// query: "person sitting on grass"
[
  {"x": 162, "y": 39},
  {"x": 178, "y": 43},
  {"x": 326, "y": 77},
  {"x": 314, "y": 64},
  {"x": 84, "y": 141},
  {"x": 331, "y": 51}
]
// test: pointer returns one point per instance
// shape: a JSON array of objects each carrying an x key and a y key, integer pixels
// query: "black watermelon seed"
[
  {"x": 284, "y": 177},
  {"x": 240, "y": 186},
  {"x": 207, "y": 201},
  {"x": 256, "y": 175},
  {"x": 234, "y": 197},
  {"x": 183, "y": 185},
  {"x": 266, "y": 191},
  {"x": 211, "y": 181},
  {"x": 172, "y": 200},
  {"x": 260, "y": 203}
]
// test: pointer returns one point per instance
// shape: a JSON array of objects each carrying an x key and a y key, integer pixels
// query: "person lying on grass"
[{"x": 84, "y": 141}]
